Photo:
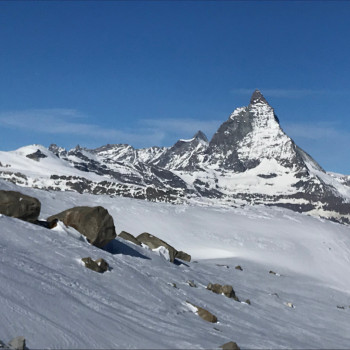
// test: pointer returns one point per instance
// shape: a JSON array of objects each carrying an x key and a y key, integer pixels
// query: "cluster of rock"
[
  {"x": 95, "y": 223},
  {"x": 154, "y": 242}
]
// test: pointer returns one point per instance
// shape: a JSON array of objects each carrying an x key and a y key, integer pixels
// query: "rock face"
[
  {"x": 227, "y": 290},
  {"x": 20, "y": 206},
  {"x": 36, "y": 155},
  {"x": 99, "y": 265},
  {"x": 94, "y": 223},
  {"x": 154, "y": 242},
  {"x": 129, "y": 237}
]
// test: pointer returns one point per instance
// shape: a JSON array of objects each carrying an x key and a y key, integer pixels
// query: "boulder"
[
  {"x": 183, "y": 256},
  {"x": 20, "y": 206},
  {"x": 18, "y": 343},
  {"x": 94, "y": 223},
  {"x": 191, "y": 283},
  {"x": 227, "y": 290},
  {"x": 154, "y": 242},
  {"x": 129, "y": 237},
  {"x": 239, "y": 267},
  {"x": 99, "y": 265},
  {"x": 231, "y": 345},
  {"x": 205, "y": 314}
]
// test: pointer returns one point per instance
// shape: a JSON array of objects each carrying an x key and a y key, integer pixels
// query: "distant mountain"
[{"x": 249, "y": 160}]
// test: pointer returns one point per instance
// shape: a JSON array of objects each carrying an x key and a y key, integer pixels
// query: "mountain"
[{"x": 249, "y": 160}]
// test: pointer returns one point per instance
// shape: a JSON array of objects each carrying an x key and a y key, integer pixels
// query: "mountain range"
[{"x": 249, "y": 160}]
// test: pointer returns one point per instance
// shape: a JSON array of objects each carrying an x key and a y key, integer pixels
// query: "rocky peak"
[
  {"x": 257, "y": 97},
  {"x": 201, "y": 136}
]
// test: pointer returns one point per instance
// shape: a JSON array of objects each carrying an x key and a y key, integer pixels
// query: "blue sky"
[{"x": 150, "y": 72}]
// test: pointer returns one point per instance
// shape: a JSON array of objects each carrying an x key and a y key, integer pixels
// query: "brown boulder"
[
  {"x": 227, "y": 290},
  {"x": 205, "y": 314},
  {"x": 99, "y": 265},
  {"x": 154, "y": 242},
  {"x": 231, "y": 345},
  {"x": 129, "y": 237},
  {"x": 20, "y": 206},
  {"x": 183, "y": 256},
  {"x": 94, "y": 223}
]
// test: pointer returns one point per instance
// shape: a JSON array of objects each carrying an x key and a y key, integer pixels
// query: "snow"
[{"x": 51, "y": 299}]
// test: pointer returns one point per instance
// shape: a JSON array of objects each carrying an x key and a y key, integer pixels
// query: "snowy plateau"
[{"x": 248, "y": 197}]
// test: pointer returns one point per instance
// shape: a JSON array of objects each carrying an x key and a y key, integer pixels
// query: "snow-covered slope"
[
  {"x": 49, "y": 297},
  {"x": 249, "y": 160}
]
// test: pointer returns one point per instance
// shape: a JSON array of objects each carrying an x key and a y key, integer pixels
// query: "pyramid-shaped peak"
[
  {"x": 257, "y": 97},
  {"x": 201, "y": 136}
]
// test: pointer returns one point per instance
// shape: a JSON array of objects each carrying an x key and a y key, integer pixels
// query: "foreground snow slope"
[{"x": 50, "y": 298}]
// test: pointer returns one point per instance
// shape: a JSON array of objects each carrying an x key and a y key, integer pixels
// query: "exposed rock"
[
  {"x": 36, "y": 155},
  {"x": 129, "y": 237},
  {"x": 248, "y": 302},
  {"x": 341, "y": 307},
  {"x": 3, "y": 345},
  {"x": 18, "y": 343},
  {"x": 183, "y": 256},
  {"x": 191, "y": 283},
  {"x": 272, "y": 272},
  {"x": 94, "y": 223},
  {"x": 154, "y": 242},
  {"x": 231, "y": 345},
  {"x": 238, "y": 267},
  {"x": 205, "y": 314},
  {"x": 20, "y": 206},
  {"x": 47, "y": 224},
  {"x": 99, "y": 265},
  {"x": 227, "y": 290}
]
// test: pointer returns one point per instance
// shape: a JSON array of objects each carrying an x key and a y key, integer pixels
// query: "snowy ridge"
[{"x": 249, "y": 160}]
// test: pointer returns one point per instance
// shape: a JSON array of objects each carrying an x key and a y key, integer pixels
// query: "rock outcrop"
[
  {"x": 20, "y": 206},
  {"x": 94, "y": 223}
]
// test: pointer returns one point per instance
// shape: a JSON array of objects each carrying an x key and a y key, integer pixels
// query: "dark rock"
[
  {"x": 94, "y": 223},
  {"x": 18, "y": 343},
  {"x": 341, "y": 307},
  {"x": 47, "y": 224},
  {"x": 20, "y": 206},
  {"x": 99, "y": 265},
  {"x": 248, "y": 302},
  {"x": 238, "y": 267},
  {"x": 227, "y": 290},
  {"x": 272, "y": 272},
  {"x": 231, "y": 345},
  {"x": 205, "y": 314},
  {"x": 36, "y": 155},
  {"x": 129, "y": 237},
  {"x": 183, "y": 256},
  {"x": 154, "y": 242}
]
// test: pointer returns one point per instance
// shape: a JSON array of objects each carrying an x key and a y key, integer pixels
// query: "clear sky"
[{"x": 150, "y": 72}]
